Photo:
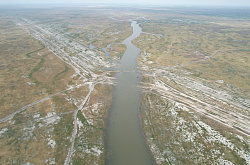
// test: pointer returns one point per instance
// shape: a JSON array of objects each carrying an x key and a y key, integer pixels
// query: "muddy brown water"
[{"x": 124, "y": 140}]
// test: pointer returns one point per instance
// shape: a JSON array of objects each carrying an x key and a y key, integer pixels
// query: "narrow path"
[
  {"x": 226, "y": 51},
  {"x": 210, "y": 57},
  {"x": 9, "y": 117},
  {"x": 206, "y": 58},
  {"x": 232, "y": 119},
  {"x": 68, "y": 158},
  {"x": 166, "y": 53}
]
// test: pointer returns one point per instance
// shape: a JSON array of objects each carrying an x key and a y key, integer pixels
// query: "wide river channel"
[{"x": 124, "y": 140}]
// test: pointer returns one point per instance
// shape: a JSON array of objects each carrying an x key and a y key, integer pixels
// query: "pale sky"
[{"x": 165, "y": 2}]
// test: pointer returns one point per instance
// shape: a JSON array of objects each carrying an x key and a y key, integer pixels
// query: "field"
[
  {"x": 55, "y": 95},
  {"x": 195, "y": 106}
]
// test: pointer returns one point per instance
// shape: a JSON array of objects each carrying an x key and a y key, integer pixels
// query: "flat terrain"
[
  {"x": 196, "y": 104},
  {"x": 55, "y": 94},
  {"x": 56, "y": 82}
]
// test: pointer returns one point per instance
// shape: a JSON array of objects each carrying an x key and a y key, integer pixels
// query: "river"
[{"x": 124, "y": 140}]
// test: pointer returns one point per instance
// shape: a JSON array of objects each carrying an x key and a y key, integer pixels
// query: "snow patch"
[
  {"x": 50, "y": 161},
  {"x": 30, "y": 83},
  {"x": 3, "y": 131},
  {"x": 51, "y": 118},
  {"x": 222, "y": 161},
  {"x": 181, "y": 106},
  {"x": 36, "y": 115},
  {"x": 96, "y": 150},
  {"x": 51, "y": 143},
  {"x": 220, "y": 81},
  {"x": 215, "y": 136},
  {"x": 79, "y": 123}
]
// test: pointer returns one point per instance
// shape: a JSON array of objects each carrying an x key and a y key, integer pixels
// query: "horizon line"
[{"x": 127, "y": 3}]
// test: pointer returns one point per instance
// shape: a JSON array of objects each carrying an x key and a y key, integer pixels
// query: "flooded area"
[
  {"x": 125, "y": 143},
  {"x": 91, "y": 46},
  {"x": 105, "y": 50}
]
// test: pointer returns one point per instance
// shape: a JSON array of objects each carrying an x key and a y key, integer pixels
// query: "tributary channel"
[{"x": 124, "y": 140}]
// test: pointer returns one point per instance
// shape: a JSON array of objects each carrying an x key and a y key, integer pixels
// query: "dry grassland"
[
  {"x": 196, "y": 88},
  {"x": 41, "y": 92}
]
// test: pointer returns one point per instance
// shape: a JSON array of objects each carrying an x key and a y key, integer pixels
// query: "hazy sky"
[{"x": 166, "y": 2}]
